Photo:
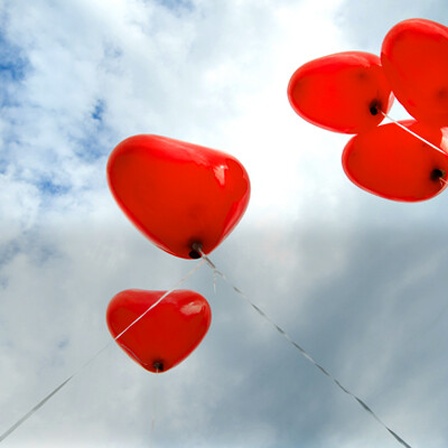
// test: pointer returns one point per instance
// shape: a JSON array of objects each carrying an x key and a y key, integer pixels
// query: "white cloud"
[{"x": 352, "y": 277}]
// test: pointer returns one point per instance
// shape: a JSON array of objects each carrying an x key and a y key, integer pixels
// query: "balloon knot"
[
  {"x": 375, "y": 107},
  {"x": 158, "y": 366},
  {"x": 437, "y": 174},
  {"x": 196, "y": 251}
]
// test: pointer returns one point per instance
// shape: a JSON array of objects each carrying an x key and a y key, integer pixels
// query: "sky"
[{"x": 357, "y": 280}]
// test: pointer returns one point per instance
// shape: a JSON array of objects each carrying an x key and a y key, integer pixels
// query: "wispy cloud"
[{"x": 359, "y": 281}]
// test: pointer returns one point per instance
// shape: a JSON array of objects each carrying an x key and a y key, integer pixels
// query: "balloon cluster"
[
  {"x": 352, "y": 92},
  {"x": 186, "y": 199}
]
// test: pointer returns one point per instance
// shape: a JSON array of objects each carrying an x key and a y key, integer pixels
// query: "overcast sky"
[{"x": 360, "y": 282}]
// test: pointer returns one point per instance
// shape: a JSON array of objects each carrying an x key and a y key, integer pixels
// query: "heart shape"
[
  {"x": 414, "y": 55},
  {"x": 180, "y": 195},
  {"x": 342, "y": 92},
  {"x": 391, "y": 163},
  {"x": 167, "y": 334}
]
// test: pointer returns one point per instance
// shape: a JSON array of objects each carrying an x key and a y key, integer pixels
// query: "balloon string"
[
  {"x": 302, "y": 351},
  {"x": 35, "y": 408},
  {"x": 155, "y": 409},
  {"x": 422, "y": 139}
]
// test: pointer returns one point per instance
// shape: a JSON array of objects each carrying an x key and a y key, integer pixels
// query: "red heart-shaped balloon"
[
  {"x": 342, "y": 92},
  {"x": 166, "y": 334},
  {"x": 414, "y": 55},
  {"x": 178, "y": 194},
  {"x": 391, "y": 163}
]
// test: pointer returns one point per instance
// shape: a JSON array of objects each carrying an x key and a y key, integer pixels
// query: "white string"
[
  {"x": 301, "y": 350},
  {"x": 155, "y": 410},
  {"x": 216, "y": 273},
  {"x": 35, "y": 408},
  {"x": 422, "y": 139}
]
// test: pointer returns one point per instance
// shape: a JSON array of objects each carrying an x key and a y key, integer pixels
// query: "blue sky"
[{"x": 357, "y": 280}]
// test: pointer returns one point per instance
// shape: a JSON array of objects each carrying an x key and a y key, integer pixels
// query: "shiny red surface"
[
  {"x": 341, "y": 92},
  {"x": 391, "y": 163},
  {"x": 178, "y": 193},
  {"x": 167, "y": 334},
  {"x": 414, "y": 55}
]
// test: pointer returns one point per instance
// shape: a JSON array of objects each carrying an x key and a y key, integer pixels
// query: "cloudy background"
[{"x": 358, "y": 281}]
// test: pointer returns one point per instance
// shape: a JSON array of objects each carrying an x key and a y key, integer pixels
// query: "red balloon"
[
  {"x": 164, "y": 336},
  {"x": 391, "y": 163},
  {"x": 342, "y": 92},
  {"x": 178, "y": 194},
  {"x": 414, "y": 55}
]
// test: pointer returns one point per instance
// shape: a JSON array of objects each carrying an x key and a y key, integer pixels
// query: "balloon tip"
[
  {"x": 196, "y": 251},
  {"x": 437, "y": 174},
  {"x": 375, "y": 107},
  {"x": 158, "y": 366}
]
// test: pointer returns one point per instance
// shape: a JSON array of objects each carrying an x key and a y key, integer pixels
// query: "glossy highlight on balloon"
[
  {"x": 167, "y": 334},
  {"x": 178, "y": 194},
  {"x": 389, "y": 162},
  {"x": 414, "y": 56},
  {"x": 342, "y": 92}
]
